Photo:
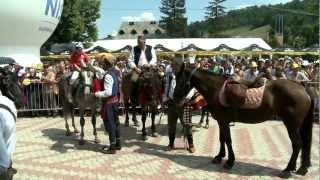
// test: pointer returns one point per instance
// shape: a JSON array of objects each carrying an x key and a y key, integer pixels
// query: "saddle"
[{"x": 242, "y": 94}]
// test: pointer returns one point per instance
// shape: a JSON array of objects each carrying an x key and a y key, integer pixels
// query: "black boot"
[
  {"x": 110, "y": 150},
  {"x": 118, "y": 145}
]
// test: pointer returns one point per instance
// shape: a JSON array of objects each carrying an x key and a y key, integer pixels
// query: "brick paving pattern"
[{"x": 44, "y": 152}]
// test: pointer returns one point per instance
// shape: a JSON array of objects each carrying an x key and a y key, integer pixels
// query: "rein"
[{"x": 188, "y": 82}]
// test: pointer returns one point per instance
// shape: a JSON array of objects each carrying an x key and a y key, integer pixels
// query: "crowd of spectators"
[{"x": 41, "y": 89}]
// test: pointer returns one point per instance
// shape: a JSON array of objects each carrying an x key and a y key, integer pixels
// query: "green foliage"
[
  {"x": 301, "y": 22},
  {"x": 78, "y": 22},
  {"x": 215, "y": 9},
  {"x": 173, "y": 19}
]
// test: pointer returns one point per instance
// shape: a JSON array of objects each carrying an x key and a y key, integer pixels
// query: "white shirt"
[
  {"x": 170, "y": 85},
  {"x": 7, "y": 132},
  {"x": 300, "y": 76},
  {"x": 108, "y": 83},
  {"x": 142, "y": 60},
  {"x": 249, "y": 76}
]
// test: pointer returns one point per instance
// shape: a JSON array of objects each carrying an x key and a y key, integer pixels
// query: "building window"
[
  {"x": 133, "y": 32},
  {"x": 145, "y": 31},
  {"x": 131, "y": 23},
  {"x": 121, "y": 32},
  {"x": 158, "y": 31}
]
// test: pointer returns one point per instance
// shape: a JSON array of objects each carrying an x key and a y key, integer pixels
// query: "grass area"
[{"x": 247, "y": 31}]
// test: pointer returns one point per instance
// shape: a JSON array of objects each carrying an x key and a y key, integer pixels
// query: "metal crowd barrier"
[{"x": 40, "y": 96}]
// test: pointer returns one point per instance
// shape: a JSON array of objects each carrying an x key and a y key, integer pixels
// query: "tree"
[
  {"x": 77, "y": 23},
  {"x": 173, "y": 19},
  {"x": 215, "y": 9}
]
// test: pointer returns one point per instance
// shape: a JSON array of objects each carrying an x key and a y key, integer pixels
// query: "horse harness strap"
[
  {"x": 2, "y": 106},
  {"x": 192, "y": 73}
]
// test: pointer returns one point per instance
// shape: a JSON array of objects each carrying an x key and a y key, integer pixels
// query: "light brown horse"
[{"x": 286, "y": 99}]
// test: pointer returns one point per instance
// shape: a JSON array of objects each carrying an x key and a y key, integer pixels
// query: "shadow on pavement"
[{"x": 204, "y": 163}]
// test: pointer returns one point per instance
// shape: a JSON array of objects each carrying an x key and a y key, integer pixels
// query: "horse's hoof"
[
  {"x": 81, "y": 142},
  {"x": 216, "y": 160},
  {"x": 97, "y": 141},
  {"x": 285, "y": 174},
  {"x": 68, "y": 133},
  {"x": 144, "y": 137},
  {"x": 302, "y": 171},
  {"x": 154, "y": 134},
  {"x": 228, "y": 165},
  {"x": 76, "y": 131},
  {"x": 199, "y": 125},
  {"x": 126, "y": 124},
  {"x": 206, "y": 126}
]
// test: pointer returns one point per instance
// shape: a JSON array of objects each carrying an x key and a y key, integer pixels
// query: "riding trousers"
[
  {"x": 111, "y": 122},
  {"x": 175, "y": 112},
  {"x": 74, "y": 77}
]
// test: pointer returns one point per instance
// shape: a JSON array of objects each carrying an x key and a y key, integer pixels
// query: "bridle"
[{"x": 188, "y": 82}]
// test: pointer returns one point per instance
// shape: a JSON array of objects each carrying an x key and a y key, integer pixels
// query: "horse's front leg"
[
  {"x": 153, "y": 125},
  {"x": 143, "y": 119},
  {"x": 222, "y": 153},
  {"x": 134, "y": 116},
  {"x": 75, "y": 130},
  {"x": 230, "y": 162},
  {"x": 94, "y": 122},
  {"x": 82, "y": 123},
  {"x": 126, "y": 110},
  {"x": 65, "y": 114}
]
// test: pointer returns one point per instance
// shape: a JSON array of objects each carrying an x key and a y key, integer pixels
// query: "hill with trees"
[{"x": 300, "y": 23}]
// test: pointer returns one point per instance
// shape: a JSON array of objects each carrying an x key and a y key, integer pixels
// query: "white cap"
[
  {"x": 78, "y": 45},
  {"x": 305, "y": 63}
]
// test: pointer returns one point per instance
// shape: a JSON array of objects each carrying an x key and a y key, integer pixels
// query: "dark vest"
[
  {"x": 115, "y": 86},
  {"x": 137, "y": 54}
]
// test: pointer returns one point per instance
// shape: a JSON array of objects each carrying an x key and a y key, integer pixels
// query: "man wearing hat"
[
  {"x": 175, "y": 111},
  {"x": 296, "y": 75},
  {"x": 251, "y": 73},
  {"x": 110, "y": 109},
  {"x": 79, "y": 60}
]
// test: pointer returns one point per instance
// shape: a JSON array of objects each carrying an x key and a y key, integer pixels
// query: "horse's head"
[
  {"x": 183, "y": 81},
  {"x": 9, "y": 86},
  {"x": 150, "y": 82},
  {"x": 86, "y": 80}
]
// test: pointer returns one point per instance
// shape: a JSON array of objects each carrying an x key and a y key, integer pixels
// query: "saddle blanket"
[{"x": 253, "y": 98}]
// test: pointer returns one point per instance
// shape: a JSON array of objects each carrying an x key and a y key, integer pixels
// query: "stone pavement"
[{"x": 44, "y": 152}]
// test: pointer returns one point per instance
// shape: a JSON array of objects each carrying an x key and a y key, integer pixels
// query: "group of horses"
[
  {"x": 148, "y": 97},
  {"x": 290, "y": 101}
]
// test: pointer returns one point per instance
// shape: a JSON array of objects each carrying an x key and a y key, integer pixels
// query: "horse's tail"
[{"x": 306, "y": 134}]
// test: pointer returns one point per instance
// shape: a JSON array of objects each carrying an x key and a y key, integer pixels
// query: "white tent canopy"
[{"x": 177, "y": 44}]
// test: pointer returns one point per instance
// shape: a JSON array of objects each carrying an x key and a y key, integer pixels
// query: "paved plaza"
[{"x": 44, "y": 152}]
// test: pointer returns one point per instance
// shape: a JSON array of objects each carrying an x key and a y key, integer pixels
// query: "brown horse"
[
  {"x": 286, "y": 99},
  {"x": 129, "y": 99},
  {"x": 146, "y": 94}
]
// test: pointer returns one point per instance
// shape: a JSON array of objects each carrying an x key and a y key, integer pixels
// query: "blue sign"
[{"x": 54, "y": 8}]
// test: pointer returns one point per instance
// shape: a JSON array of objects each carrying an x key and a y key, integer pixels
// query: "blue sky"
[{"x": 113, "y": 12}]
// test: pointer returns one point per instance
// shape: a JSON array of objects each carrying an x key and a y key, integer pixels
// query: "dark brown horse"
[
  {"x": 147, "y": 95},
  {"x": 286, "y": 99},
  {"x": 129, "y": 99}
]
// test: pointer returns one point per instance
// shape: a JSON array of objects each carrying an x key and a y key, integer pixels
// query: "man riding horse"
[{"x": 142, "y": 55}]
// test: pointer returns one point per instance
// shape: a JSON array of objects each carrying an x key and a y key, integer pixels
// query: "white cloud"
[
  {"x": 243, "y": 6},
  {"x": 146, "y": 16}
]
